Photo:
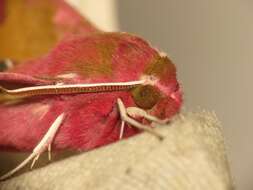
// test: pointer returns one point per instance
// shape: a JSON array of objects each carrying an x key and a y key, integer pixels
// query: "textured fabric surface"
[{"x": 192, "y": 156}]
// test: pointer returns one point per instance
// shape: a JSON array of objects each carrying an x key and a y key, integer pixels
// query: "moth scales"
[
  {"x": 148, "y": 91},
  {"x": 46, "y": 141}
]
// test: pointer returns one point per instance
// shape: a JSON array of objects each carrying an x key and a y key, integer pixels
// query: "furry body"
[{"x": 92, "y": 120}]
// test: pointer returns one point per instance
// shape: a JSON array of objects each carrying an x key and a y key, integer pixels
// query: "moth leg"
[
  {"x": 49, "y": 152},
  {"x": 134, "y": 123},
  {"x": 40, "y": 148},
  {"x": 138, "y": 112},
  {"x": 34, "y": 160},
  {"x": 122, "y": 127},
  {"x": 37, "y": 157}
]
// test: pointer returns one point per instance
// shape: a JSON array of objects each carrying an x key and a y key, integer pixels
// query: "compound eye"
[{"x": 146, "y": 96}]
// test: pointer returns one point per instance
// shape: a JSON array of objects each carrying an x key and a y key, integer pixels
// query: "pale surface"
[
  {"x": 192, "y": 156},
  {"x": 103, "y": 14},
  {"x": 211, "y": 43}
]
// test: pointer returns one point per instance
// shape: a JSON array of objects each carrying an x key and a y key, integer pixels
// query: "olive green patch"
[
  {"x": 91, "y": 69},
  {"x": 106, "y": 51},
  {"x": 160, "y": 66},
  {"x": 102, "y": 66}
]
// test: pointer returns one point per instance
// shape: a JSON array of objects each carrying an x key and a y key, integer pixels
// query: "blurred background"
[{"x": 211, "y": 43}]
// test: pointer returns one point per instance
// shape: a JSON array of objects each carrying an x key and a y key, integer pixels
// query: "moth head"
[{"x": 161, "y": 90}]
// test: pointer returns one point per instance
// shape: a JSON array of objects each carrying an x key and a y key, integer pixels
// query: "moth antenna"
[
  {"x": 3, "y": 95},
  {"x": 3, "y": 90},
  {"x": 72, "y": 88},
  {"x": 7, "y": 99}
]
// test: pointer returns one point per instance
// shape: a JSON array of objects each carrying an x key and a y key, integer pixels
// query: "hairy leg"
[
  {"x": 44, "y": 144},
  {"x": 134, "y": 123}
]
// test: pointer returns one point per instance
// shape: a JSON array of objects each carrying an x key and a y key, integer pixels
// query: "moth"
[{"x": 86, "y": 93}]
